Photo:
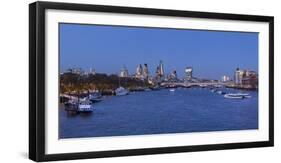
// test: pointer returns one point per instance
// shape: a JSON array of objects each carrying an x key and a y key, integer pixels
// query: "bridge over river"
[{"x": 200, "y": 84}]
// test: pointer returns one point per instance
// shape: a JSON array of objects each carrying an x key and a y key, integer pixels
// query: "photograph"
[
  {"x": 119, "y": 80},
  {"x": 111, "y": 81}
]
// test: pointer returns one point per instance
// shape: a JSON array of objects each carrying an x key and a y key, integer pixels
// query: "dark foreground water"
[{"x": 162, "y": 111}]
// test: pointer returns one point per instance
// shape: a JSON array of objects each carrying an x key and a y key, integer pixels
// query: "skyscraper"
[
  {"x": 188, "y": 73},
  {"x": 161, "y": 67},
  {"x": 139, "y": 72},
  {"x": 157, "y": 71},
  {"x": 145, "y": 71},
  {"x": 160, "y": 72}
]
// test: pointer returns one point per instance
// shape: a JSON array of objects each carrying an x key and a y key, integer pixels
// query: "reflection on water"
[{"x": 162, "y": 111}]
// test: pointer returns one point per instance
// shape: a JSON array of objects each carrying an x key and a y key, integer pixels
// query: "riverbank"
[
  {"x": 243, "y": 87},
  {"x": 111, "y": 92}
]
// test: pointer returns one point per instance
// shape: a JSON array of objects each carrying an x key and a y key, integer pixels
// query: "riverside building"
[{"x": 246, "y": 78}]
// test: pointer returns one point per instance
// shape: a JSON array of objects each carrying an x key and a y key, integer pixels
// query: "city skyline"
[{"x": 85, "y": 46}]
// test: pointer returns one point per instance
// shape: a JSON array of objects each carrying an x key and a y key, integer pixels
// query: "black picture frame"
[{"x": 37, "y": 88}]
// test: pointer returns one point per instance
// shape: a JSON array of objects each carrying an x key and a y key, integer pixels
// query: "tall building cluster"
[
  {"x": 75, "y": 70},
  {"x": 142, "y": 73},
  {"x": 80, "y": 71},
  {"x": 225, "y": 78},
  {"x": 92, "y": 71},
  {"x": 242, "y": 78}
]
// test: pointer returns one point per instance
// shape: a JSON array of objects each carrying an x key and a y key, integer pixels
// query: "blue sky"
[{"x": 212, "y": 54}]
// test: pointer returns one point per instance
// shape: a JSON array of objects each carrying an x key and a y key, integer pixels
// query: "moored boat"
[
  {"x": 95, "y": 97},
  {"x": 213, "y": 90},
  {"x": 70, "y": 106},
  {"x": 147, "y": 89},
  {"x": 237, "y": 95},
  {"x": 221, "y": 92},
  {"x": 121, "y": 91},
  {"x": 245, "y": 95},
  {"x": 85, "y": 107},
  {"x": 156, "y": 87},
  {"x": 172, "y": 90}
]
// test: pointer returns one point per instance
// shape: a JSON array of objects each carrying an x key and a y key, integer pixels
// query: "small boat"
[
  {"x": 213, "y": 90},
  {"x": 221, "y": 92},
  {"x": 237, "y": 95},
  {"x": 95, "y": 97},
  {"x": 147, "y": 89},
  {"x": 85, "y": 107},
  {"x": 233, "y": 96},
  {"x": 83, "y": 98},
  {"x": 172, "y": 90},
  {"x": 95, "y": 100},
  {"x": 156, "y": 88},
  {"x": 246, "y": 95},
  {"x": 70, "y": 106},
  {"x": 202, "y": 85},
  {"x": 121, "y": 91}
]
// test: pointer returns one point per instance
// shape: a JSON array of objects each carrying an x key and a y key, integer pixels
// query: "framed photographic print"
[{"x": 111, "y": 81}]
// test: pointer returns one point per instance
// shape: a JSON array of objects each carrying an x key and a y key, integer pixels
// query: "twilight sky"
[{"x": 212, "y": 54}]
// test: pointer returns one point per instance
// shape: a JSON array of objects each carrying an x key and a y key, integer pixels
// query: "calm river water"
[{"x": 162, "y": 111}]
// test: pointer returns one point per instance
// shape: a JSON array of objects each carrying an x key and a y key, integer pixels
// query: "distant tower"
[
  {"x": 92, "y": 71},
  {"x": 145, "y": 71},
  {"x": 124, "y": 72},
  {"x": 157, "y": 71},
  {"x": 139, "y": 71},
  {"x": 158, "y": 76},
  {"x": 188, "y": 73},
  {"x": 160, "y": 72},
  {"x": 236, "y": 76},
  {"x": 161, "y": 67}
]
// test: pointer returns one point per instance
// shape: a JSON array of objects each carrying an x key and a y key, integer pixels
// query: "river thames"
[{"x": 162, "y": 111}]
